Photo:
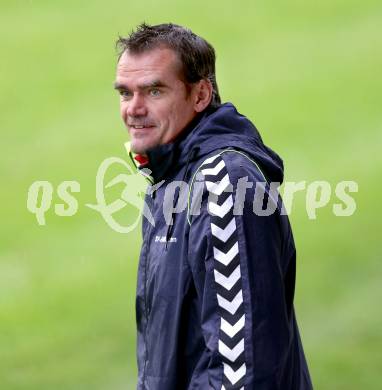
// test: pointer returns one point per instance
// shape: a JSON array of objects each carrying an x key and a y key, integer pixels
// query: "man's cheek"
[{"x": 122, "y": 110}]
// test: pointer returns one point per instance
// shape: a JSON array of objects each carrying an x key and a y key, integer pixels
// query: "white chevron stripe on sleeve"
[
  {"x": 234, "y": 376},
  {"x": 226, "y": 258},
  {"x": 233, "y": 305},
  {"x": 211, "y": 159},
  {"x": 234, "y": 353},
  {"x": 223, "y": 234},
  {"x": 230, "y": 281},
  {"x": 221, "y": 210},
  {"x": 218, "y": 188},
  {"x": 214, "y": 171},
  {"x": 231, "y": 330}
]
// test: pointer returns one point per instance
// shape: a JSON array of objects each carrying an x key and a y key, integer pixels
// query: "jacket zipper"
[{"x": 147, "y": 263}]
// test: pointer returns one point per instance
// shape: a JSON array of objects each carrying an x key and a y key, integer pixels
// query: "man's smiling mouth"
[{"x": 138, "y": 127}]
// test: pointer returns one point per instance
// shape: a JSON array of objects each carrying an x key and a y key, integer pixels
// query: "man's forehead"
[{"x": 158, "y": 59}]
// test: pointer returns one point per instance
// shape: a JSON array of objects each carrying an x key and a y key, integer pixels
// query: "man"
[{"x": 215, "y": 284}]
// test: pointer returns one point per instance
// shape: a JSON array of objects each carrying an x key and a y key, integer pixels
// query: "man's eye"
[
  {"x": 154, "y": 92},
  {"x": 125, "y": 94}
]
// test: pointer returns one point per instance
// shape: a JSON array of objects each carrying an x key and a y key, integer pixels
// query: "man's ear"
[{"x": 203, "y": 95}]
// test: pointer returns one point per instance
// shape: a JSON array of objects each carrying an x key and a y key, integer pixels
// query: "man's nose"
[{"x": 136, "y": 106}]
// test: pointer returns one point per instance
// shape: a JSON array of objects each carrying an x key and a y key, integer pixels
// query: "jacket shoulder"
[{"x": 236, "y": 163}]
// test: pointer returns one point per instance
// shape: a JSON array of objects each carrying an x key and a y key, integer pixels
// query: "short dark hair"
[{"x": 197, "y": 56}]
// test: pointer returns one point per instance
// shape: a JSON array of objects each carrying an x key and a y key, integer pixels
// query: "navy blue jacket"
[{"x": 215, "y": 286}]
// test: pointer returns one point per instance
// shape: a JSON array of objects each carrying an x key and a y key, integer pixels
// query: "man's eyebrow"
[
  {"x": 152, "y": 84},
  {"x": 119, "y": 86}
]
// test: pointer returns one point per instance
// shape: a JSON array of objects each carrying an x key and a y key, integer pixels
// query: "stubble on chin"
[{"x": 140, "y": 147}]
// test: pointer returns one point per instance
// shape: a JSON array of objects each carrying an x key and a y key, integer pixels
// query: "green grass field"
[{"x": 307, "y": 73}]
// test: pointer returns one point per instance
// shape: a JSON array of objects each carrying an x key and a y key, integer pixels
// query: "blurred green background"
[{"x": 307, "y": 73}]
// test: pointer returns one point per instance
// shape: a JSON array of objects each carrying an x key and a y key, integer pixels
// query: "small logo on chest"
[{"x": 162, "y": 239}]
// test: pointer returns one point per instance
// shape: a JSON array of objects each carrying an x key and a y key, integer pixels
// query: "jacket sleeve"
[{"x": 243, "y": 270}]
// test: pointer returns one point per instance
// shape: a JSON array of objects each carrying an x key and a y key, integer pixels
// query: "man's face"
[{"x": 154, "y": 102}]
